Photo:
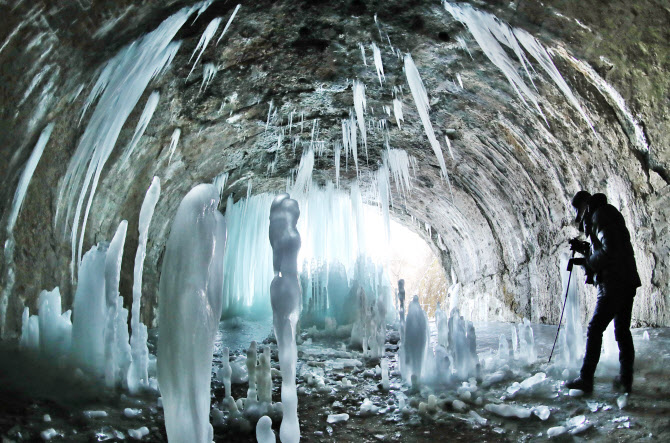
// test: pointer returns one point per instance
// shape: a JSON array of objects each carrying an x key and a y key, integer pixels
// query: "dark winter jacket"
[{"x": 612, "y": 259}]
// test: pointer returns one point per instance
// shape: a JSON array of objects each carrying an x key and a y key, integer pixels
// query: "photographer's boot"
[
  {"x": 623, "y": 384},
  {"x": 581, "y": 384}
]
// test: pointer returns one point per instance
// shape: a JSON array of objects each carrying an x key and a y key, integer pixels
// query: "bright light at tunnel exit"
[{"x": 335, "y": 227}]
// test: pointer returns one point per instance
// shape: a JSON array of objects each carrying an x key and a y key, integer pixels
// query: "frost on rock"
[
  {"x": 285, "y": 299},
  {"x": 189, "y": 309}
]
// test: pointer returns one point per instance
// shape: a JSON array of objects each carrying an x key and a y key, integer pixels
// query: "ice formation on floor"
[
  {"x": 415, "y": 342},
  {"x": 264, "y": 432},
  {"x": 138, "y": 375},
  {"x": 96, "y": 339},
  {"x": 285, "y": 298},
  {"x": 189, "y": 312},
  {"x": 571, "y": 340},
  {"x": 17, "y": 202}
]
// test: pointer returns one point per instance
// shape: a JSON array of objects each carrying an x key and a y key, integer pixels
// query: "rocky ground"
[{"x": 29, "y": 390}]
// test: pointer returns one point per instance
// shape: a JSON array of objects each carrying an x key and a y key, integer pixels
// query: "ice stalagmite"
[
  {"x": 89, "y": 312},
  {"x": 285, "y": 299},
  {"x": 138, "y": 373},
  {"x": 571, "y": 339},
  {"x": 112, "y": 274},
  {"x": 415, "y": 340},
  {"x": 190, "y": 309}
]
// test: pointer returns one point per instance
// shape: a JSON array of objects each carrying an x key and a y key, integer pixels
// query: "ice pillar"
[
  {"x": 138, "y": 373},
  {"x": 190, "y": 308},
  {"x": 285, "y": 298}
]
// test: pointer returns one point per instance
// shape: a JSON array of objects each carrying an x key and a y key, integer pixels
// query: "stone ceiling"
[{"x": 505, "y": 220}]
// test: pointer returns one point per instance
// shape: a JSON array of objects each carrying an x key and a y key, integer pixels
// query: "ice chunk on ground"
[
  {"x": 95, "y": 414},
  {"x": 508, "y": 410},
  {"x": 47, "y": 418},
  {"x": 138, "y": 433},
  {"x": 48, "y": 434},
  {"x": 336, "y": 418},
  {"x": 542, "y": 412},
  {"x": 458, "y": 405},
  {"x": 264, "y": 432},
  {"x": 576, "y": 421},
  {"x": 478, "y": 418},
  {"x": 130, "y": 412},
  {"x": 190, "y": 308},
  {"x": 645, "y": 336},
  {"x": 555, "y": 431},
  {"x": 368, "y": 408},
  {"x": 575, "y": 392}
]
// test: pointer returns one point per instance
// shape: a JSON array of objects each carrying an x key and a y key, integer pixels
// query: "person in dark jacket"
[{"x": 611, "y": 261}]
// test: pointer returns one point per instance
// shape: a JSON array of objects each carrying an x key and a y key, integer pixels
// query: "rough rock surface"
[{"x": 505, "y": 220}]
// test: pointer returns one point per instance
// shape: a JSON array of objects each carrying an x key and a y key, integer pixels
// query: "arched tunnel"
[{"x": 504, "y": 110}]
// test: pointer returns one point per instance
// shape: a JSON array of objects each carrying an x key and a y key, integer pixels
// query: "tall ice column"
[{"x": 285, "y": 298}]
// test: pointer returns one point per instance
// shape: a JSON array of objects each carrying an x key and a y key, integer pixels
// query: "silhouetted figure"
[
  {"x": 401, "y": 295},
  {"x": 611, "y": 260}
]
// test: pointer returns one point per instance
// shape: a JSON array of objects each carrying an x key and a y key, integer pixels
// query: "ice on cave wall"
[{"x": 190, "y": 309}]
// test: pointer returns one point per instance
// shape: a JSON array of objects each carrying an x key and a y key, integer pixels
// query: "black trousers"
[{"x": 615, "y": 302}]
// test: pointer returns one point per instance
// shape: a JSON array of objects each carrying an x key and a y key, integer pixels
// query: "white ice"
[
  {"x": 230, "y": 20},
  {"x": 189, "y": 311},
  {"x": 173, "y": 143},
  {"x": 285, "y": 300},
  {"x": 117, "y": 95},
  {"x": 423, "y": 107},
  {"x": 207, "y": 35},
  {"x": 143, "y": 122},
  {"x": 397, "y": 111},
  {"x": 379, "y": 67},
  {"x": 138, "y": 374},
  {"x": 209, "y": 70},
  {"x": 415, "y": 341},
  {"x": 24, "y": 180},
  {"x": 359, "y": 107},
  {"x": 264, "y": 432}
]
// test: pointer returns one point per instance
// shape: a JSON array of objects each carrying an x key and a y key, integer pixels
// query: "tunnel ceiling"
[{"x": 502, "y": 217}]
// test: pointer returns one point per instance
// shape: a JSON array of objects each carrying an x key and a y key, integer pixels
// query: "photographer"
[{"x": 611, "y": 262}]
